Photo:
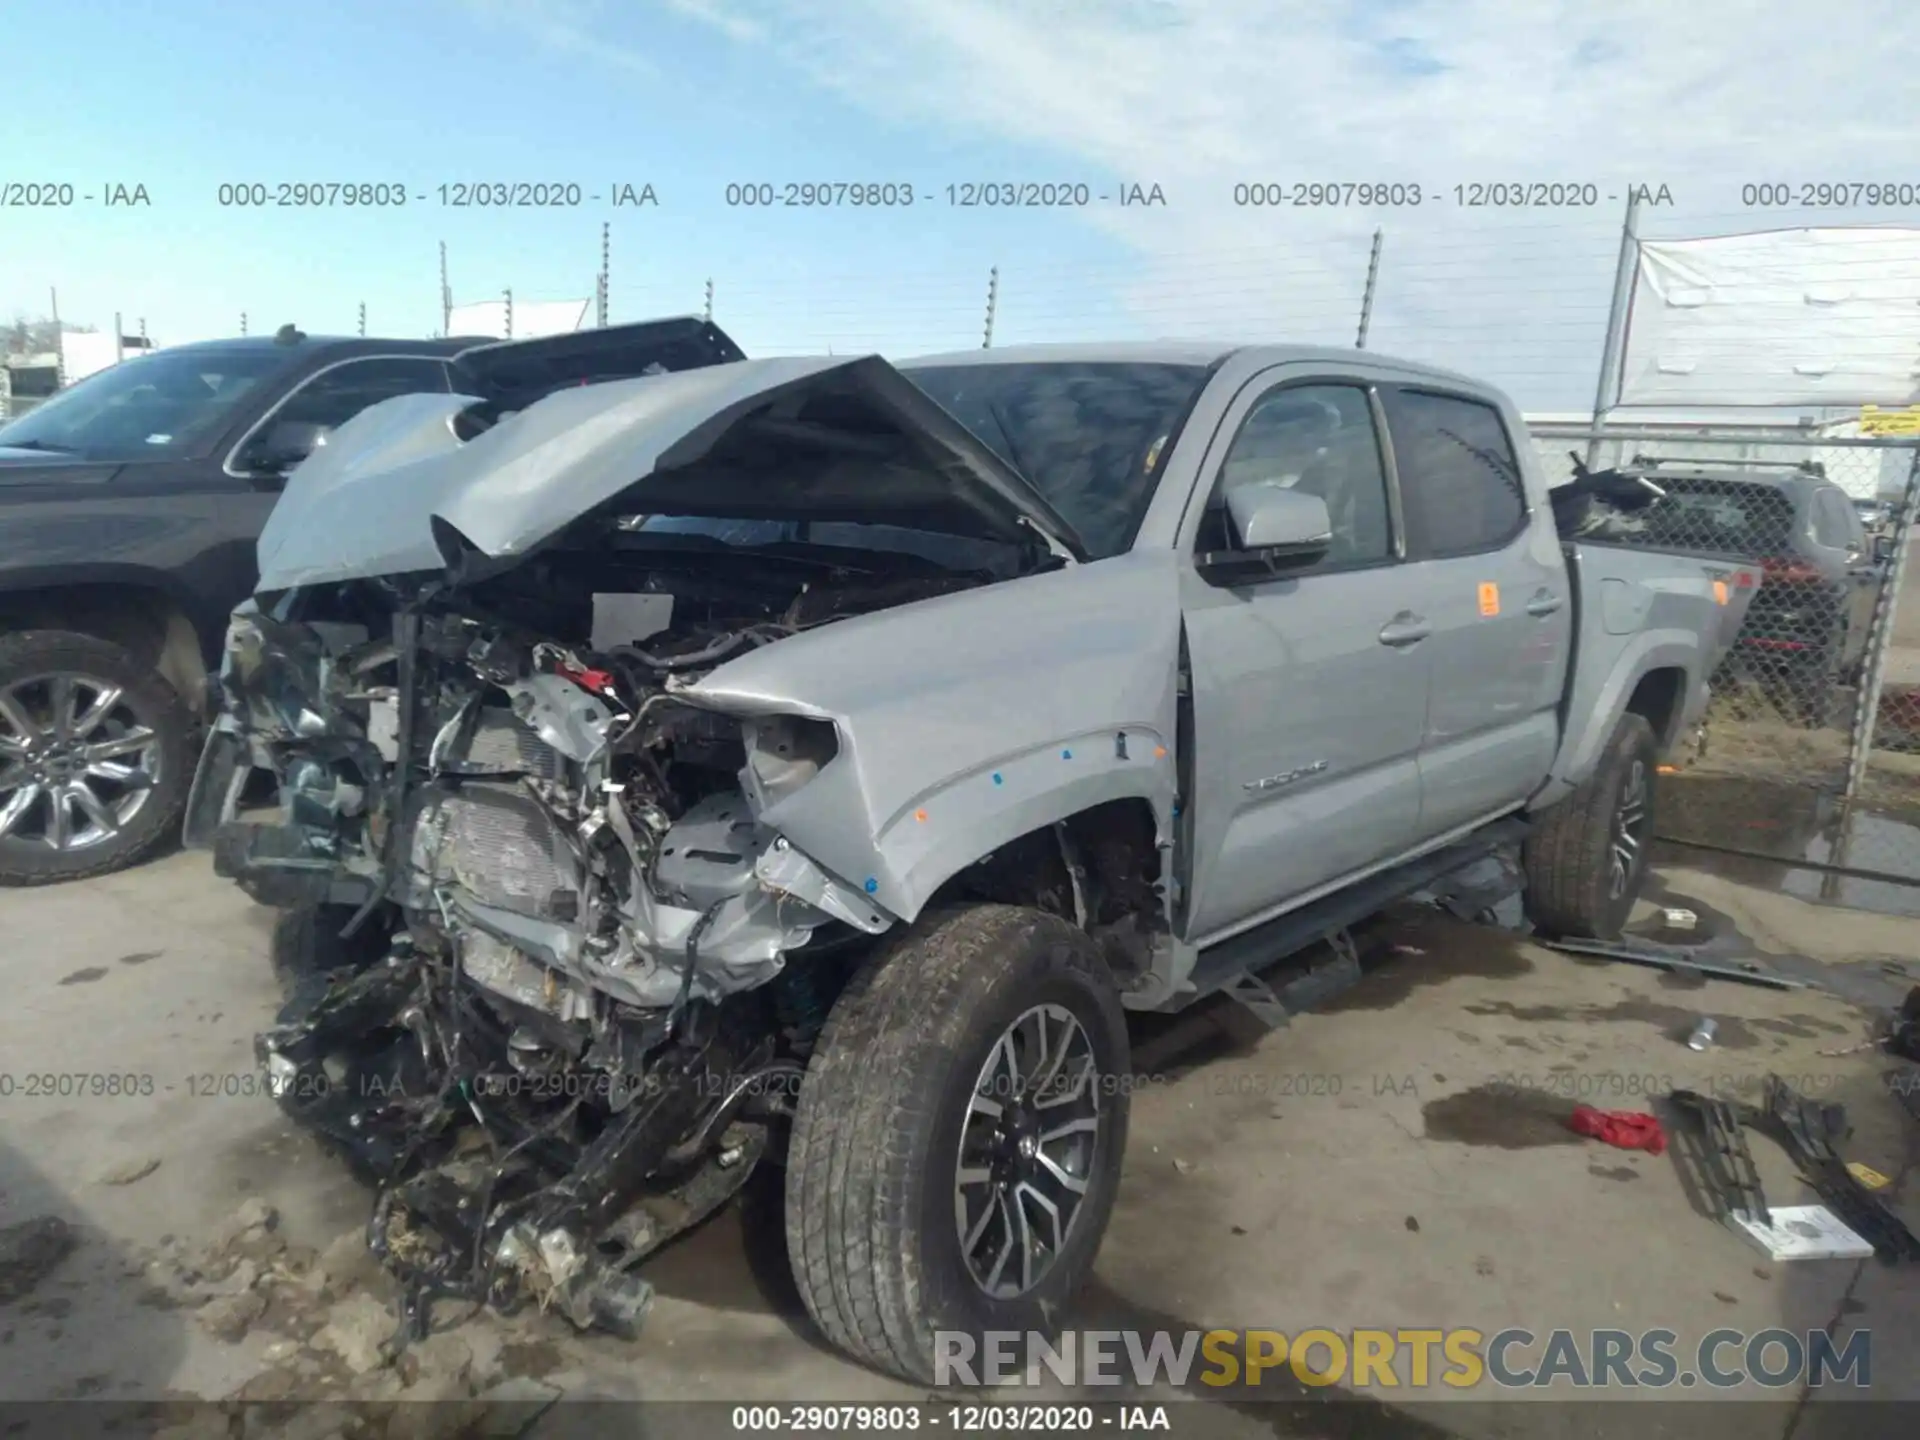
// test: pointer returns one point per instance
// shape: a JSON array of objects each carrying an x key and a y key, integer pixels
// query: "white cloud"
[
  {"x": 1199, "y": 94},
  {"x": 577, "y": 28}
]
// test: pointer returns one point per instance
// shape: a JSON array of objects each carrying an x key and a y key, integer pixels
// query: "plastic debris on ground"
[
  {"x": 1623, "y": 1129},
  {"x": 1804, "y": 1232}
]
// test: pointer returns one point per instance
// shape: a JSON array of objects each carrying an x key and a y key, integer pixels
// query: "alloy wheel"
[
  {"x": 1028, "y": 1148},
  {"x": 77, "y": 764},
  {"x": 1629, "y": 829}
]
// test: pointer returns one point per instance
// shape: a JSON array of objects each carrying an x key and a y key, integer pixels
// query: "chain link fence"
[{"x": 1811, "y": 746}]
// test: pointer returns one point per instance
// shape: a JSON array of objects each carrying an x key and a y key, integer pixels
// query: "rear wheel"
[
  {"x": 95, "y": 758},
  {"x": 1587, "y": 857},
  {"x": 957, "y": 1145}
]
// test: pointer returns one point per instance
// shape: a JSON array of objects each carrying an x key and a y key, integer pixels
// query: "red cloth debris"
[{"x": 1626, "y": 1129}]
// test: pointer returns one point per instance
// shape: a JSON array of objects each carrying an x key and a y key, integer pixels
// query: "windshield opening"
[
  {"x": 163, "y": 404},
  {"x": 1091, "y": 437}
]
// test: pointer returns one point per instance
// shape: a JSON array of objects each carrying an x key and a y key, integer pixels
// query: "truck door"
[
  {"x": 1493, "y": 586},
  {"x": 1309, "y": 689}
]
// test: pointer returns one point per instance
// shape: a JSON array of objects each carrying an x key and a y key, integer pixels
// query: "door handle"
[
  {"x": 1544, "y": 603},
  {"x": 1405, "y": 629}
]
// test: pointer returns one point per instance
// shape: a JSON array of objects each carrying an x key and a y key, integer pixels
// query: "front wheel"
[
  {"x": 957, "y": 1144},
  {"x": 1587, "y": 857}
]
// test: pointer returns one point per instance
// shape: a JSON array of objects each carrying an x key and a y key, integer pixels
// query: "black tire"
[
  {"x": 1573, "y": 890},
  {"x": 27, "y": 854},
  {"x": 307, "y": 944},
  {"x": 871, "y": 1210}
]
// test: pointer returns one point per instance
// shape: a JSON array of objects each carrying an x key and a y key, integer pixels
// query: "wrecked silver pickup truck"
[{"x": 807, "y": 761}]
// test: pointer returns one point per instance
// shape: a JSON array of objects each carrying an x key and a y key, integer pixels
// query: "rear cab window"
[{"x": 1460, "y": 480}]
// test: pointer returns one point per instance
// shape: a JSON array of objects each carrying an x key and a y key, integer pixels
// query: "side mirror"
[
  {"x": 1275, "y": 529},
  {"x": 285, "y": 444},
  {"x": 1882, "y": 549}
]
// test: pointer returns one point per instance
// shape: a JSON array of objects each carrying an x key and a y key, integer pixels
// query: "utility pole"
[
  {"x": 119, "y": 339},
  {"x": 59, "y": 350},
  {"x": 363, "y": 318},
  {"x": 508, "y": 293},
  {"x": 143, "y": 332},
  {"x": 243, "y": 322},
  {"x": 606, "y": 272},
  {"x": 1610, "y": 352},
  {"x": 708, "y": 314},
  {"x": 1366, "y": 296},
  {"x": 446, "y": 294},
  {"x": 993, "y": 305}
]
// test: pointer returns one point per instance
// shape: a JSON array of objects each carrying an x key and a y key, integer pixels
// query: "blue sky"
[{"x": 689, "y": 95}]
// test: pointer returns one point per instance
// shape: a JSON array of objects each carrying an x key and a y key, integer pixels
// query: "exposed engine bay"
[{"x": 579, "y": 977}]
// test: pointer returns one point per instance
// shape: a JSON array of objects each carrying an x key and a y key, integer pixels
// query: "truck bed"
[{"x": 1639, "y": 612}]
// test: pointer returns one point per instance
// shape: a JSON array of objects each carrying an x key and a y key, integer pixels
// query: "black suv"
[
  {"x": 129, "y": 507},
  {"x": 1807, "y": 628}
]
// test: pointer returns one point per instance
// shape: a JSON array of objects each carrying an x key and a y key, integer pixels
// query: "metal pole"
[
  {"x": 1366, "y": 296},
  {"x": 606, "y": 270},
  {"x": 508, "y": 292},
  {"x": 59, "y": 350},
  {"x": 1866, "y": 716},
  {"x": 708, "y": 315},
  {"x": 119, "y": 339},
  {"x": 993, "y": 304},
  {"x": 363, "y": 317},
  {"x": 446, "y": 294},
  {"x": 1610, "y": 356}
]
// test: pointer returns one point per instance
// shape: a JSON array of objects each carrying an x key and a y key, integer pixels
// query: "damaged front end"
[{"x": 585, "y": 976}]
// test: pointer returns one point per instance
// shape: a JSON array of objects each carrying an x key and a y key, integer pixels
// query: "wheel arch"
[
  {"x": 138, "y": 612},
  {"x": 960, "y": 824}
]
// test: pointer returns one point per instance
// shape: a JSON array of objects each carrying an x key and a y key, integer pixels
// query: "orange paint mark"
[
  {"x": 1720, "y": 592},
  {"x": 1489, "y": 598},
  {"x": 921, "y": 816},
  {"x": 1159, "y": 752}
]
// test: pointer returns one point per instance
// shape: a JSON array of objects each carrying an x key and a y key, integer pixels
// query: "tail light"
[{"x": 1790, "y": 570}]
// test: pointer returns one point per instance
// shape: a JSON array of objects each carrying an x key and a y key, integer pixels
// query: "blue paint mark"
[
  {"x": 1066, "y": 754},
  {"x": 996, "y": 778},
  {"x": 1176, "y": 807},
  {"x": 872, "y": 884}
]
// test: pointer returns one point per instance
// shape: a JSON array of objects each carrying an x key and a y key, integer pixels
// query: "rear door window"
[
  {"x": 335, "y": 396},
  {"x": 1460, "y": 481}
]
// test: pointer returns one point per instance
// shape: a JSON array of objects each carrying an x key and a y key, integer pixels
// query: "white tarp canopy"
[
  {"x": 1781, "y": 317},
  {"x": 530, "y": 318},
  {"x": 83, "y": 353}
]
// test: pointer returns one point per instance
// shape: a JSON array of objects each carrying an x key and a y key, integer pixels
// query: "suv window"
[
  {"x": 1319, "y": 440},
  {"x": 1459, "y": 480},
  {"x": 335, "y": 396},
  {"x": 160, "y": 406},
  {"x": 1832, "y": 521}
]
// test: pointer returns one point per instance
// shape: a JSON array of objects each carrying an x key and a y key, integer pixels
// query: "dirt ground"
[{"x": 1398, "y": 1159}]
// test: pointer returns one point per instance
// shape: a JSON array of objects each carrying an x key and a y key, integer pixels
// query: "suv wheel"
[
  {"x": 1587, "y": 857},
  {"x": 958, "y": 1140},
  {"x": 94, "y": 758}
]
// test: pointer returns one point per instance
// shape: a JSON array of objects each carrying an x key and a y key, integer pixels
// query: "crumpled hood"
[{"x": 743, "y": 440}]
